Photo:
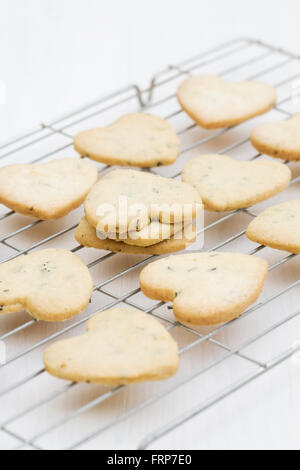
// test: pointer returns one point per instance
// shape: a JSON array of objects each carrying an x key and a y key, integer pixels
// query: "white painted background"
[{"x": 58, "y": 54}]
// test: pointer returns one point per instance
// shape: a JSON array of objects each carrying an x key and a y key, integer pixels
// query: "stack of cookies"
[{"x": 140, "y": 213}]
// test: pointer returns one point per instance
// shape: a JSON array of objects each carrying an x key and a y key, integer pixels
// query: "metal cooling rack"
[{"x": 156, "y": 98}]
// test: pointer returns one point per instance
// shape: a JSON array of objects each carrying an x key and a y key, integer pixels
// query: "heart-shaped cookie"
[
  {"x": 213, "y": 102},
  {"x": 126, "y": 200},
  {"x": 135, "y": 139},
  {"x": 225, "y": 184},
  {"x": 51, "y": 285},
  {"x": 278, "y": 227},
  {"x": 278, "y": 139},
  {"x": 47, "y": 191},
  {"x": 206, "y": 288},
  {"x": 121, "y": 346},
  {"x": 85, "y": 234}
]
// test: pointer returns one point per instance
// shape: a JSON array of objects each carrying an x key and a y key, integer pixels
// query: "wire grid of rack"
[{"x": 116, "y": 276}]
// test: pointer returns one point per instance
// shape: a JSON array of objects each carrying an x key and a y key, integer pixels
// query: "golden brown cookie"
[
  {"x": 213, "y": 102},
  {"x": 278, "y": 227},
  {"x": 51, "y": 285},
  {"x": 225, "y": 184},
  {"x": 278, "y": 139},
  {"x": 120, "y": 346},
  {"x": 49, "y": 190},
  {"x": 205, "y": 288},
  {"x": 137, "y": 139}
]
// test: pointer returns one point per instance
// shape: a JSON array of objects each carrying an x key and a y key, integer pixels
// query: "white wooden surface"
[{"x": 57, "y": 54}]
